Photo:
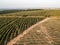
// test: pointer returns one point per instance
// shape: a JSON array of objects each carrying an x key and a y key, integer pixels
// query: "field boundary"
[{"x": 22, "y": 17}]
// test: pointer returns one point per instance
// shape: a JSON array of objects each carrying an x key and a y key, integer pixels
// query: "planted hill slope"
[
  {"x": 45, "y": 33},
  {"x": 11, "y": 27}
]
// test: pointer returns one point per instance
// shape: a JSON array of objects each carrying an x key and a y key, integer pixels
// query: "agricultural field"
[
  {"x": 11, "y": 27},
  {"x": 15, "y": 23},
  {"x": 36, "y": 12}
]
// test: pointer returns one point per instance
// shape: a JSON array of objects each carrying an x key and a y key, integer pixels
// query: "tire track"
[{"x": 48, "y": 37}]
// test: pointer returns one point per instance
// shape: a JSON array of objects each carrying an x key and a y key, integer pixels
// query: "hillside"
[{"x": 46, "y": 32}]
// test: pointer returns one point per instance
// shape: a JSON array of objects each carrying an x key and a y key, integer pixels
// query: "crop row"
[{"x": 11, "y": 27}]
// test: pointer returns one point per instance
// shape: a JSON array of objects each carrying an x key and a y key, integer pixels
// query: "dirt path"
[
  {"x": 10, "y": 16},
  {"x": 22, "y": 16},
  {"x": 25, "y": 32}
]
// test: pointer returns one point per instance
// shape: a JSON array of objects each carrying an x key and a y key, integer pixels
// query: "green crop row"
[{"x": 11, "y": 27}]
